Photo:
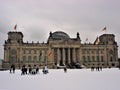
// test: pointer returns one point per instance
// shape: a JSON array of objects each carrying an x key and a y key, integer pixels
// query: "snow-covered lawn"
[{"x": 74, "y": 79}]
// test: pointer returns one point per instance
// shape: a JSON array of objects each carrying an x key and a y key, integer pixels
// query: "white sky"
[
  {"x": 36, "y": 18},
  {"x": 74, "y": 79}
]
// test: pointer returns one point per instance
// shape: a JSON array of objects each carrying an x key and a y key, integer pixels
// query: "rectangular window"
[
  {"x": 93, "y": 58},
  {"x": 92, "y": 51},
  {"x": 35, "y": 51},
  {"x": 29, "y": 51},
  {"x": 111, "y": 59},
  {"x": 88, "y": 58},
  {"x": 24, "y": 58},
  {"x": 102, "y": 59},
  {"x": 101, "y": 51},
  {"x": 97, "y": 51},
  {"x": 35, "y": 58},
  {"x": 97, "y": 58},
  {"x": 29, "y": 58},
  {"x": 13, "y": 59},
  {"x": 45, "y": 59},
  {"x": 88, "y": 51},
  {"x": 83, "y": 51},
  {"x": 83, "y": 58},
  {"x": 24, "y": 51}
]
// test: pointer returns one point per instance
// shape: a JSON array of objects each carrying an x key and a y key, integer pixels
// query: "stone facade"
[
  {"x": 60, "y": 50},
  {"x": 1, "y": 61}
]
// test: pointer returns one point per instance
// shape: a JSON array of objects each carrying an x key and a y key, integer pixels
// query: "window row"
[
  {"x": 93, "y": 51},
  {"x": 34, "y": 58},
  {"x": 33, "y": 51},
  {"x": 92, "y": 58}
]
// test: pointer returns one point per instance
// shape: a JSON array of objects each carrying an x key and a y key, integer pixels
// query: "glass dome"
[{"x": 60, "y": 35}]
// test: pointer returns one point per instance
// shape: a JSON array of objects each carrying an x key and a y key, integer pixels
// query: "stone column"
[
  {"x": 58, "y": 56},
  {"x": 78, "y": 55},
  {"x": 5, "y": 53},
  {"x": 63, "y": 54},
  {"x": 42, "y": 56},
  {"x": 74, "y": 55},
  {"x": 53, "y": 56},
  {"x": 21, "y": 52},
  {"x": 69, "y": 56},
  {"x": 8, "y": 56},
  {"x": 18, "y": 57}
]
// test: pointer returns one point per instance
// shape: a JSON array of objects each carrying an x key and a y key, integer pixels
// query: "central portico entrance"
[{"x": 66, "y": 56}]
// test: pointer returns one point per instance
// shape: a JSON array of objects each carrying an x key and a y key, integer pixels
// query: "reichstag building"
[{"x": 60, "y": 50}]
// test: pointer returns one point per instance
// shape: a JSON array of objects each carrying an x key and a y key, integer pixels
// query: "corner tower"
[
  {"x": 15, "y": 37},
  {"x": 12, "y": 48}
]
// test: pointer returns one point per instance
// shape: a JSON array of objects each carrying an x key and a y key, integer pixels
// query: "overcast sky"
[{"x": 36, "y": 18}]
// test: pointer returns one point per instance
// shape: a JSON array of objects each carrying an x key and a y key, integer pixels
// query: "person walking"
[
  {"x": 65, "y": 69},
  {"x": 12, "y": 68}
]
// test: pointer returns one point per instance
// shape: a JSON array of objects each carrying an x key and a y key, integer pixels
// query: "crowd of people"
[
  {"x": 32, "y": 70},
  {"x": 29, "y": 70},
  {"x": 97, "y": 68}
]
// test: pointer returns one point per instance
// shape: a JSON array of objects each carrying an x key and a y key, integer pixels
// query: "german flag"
[
  {"x": 104, "y": 29},
  {"x": 96, "y": 41},
  {"x": 15, "y": 27},
  {"x": 50, "y": 53}
]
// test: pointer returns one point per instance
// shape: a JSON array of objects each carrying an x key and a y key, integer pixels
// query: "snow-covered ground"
[{"x": 74, "y": 79}]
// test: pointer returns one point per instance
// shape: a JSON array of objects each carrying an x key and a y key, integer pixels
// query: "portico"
[{"x": 66, "y": 56}]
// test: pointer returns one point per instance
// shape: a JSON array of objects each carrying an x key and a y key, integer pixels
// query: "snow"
[{"x": 74, "y": 79}]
